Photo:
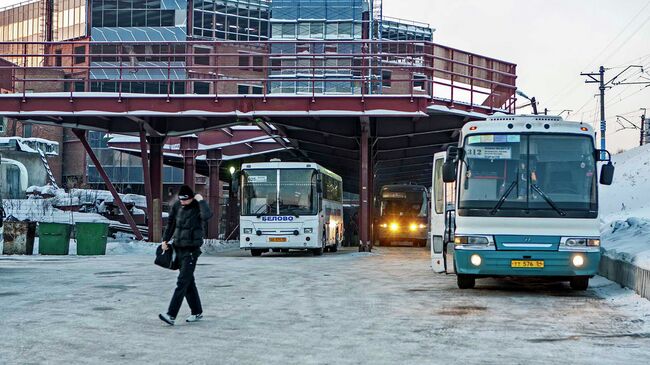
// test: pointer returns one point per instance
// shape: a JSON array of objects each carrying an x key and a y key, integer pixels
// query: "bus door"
[{"x": 438, "y": 209}]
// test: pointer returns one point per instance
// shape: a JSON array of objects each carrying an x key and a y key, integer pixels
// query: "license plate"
[
  {"x": 277, "y": 239},
  {"x": 527, "y": 264}
]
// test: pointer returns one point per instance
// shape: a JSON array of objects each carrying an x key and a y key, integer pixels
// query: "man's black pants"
[{"x": 185, "y": 285}]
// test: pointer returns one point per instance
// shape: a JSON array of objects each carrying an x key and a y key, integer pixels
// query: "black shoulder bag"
[{"x": 166, "y": 258}]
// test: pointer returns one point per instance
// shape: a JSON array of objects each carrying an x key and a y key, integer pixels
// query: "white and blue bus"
[
  {"x": 290, "y": 206},
  {"x": 518, "y": 196}
]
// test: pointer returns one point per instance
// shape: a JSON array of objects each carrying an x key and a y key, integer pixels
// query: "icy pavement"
[{"x": 346, "y": 308}]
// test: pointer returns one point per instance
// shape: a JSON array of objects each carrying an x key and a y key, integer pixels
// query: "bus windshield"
[
  {"x": 402, "y": 203},
  {"x": 531, "y": 175},
  {"x": 279, "y": 192}
]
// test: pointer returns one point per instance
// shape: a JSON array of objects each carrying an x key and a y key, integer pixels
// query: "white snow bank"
[
  {"x": 42, "y": 210},
  {"x": 625, "y": 208}
]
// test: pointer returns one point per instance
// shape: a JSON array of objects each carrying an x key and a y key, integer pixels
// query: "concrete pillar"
[
  {"x": 213, "y": 158},
  {"x": 189, "y": 148},
  {"x": 364, "y": 192},
  {"x": 156, "y": 183}
]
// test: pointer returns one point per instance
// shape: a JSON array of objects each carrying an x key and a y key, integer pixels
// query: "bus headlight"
[
  {"x": 384, "y": 225},
  {"x": 394, "y": 227},
  {"x": 578, "y": 260},
  {"x": 422, "y": 226},
  {"x": 413, "y": 227},
  {"x": 471, "y": 240},
  {"x": 475, "y": 260},
  {"x": 248, "y": 231},
  {"x": 582, "y": 242},
  {"x": 308, "y": 230}
]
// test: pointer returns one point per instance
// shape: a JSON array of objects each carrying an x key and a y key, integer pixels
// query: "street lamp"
[{"x": 232, "y": 170}]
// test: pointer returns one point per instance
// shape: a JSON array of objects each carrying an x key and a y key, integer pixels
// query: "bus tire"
[
  {"x": 465, "y": 281},
  {"x": 579, "y": 283},
  {"x": 317, "y": 251},
  {"x": 256, "y": 252}
]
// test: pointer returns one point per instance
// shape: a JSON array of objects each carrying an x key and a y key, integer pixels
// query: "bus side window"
[{"x": 438, "y": 187}]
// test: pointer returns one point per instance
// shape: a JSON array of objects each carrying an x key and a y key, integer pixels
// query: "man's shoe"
[
  {"x": 194, "y": 318},
  {"x": 167, "y": 319}
]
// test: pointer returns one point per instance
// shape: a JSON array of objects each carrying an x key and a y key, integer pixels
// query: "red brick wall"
[{"x": 74, "y": 157}]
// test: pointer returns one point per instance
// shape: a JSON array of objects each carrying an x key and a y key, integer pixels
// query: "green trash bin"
[
  {"x": 54, "y": 238},
  {"x": 91, "y": 238}
]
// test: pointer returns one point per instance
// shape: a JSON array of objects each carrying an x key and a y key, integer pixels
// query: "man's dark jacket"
[{"x": 186, "y": 224}]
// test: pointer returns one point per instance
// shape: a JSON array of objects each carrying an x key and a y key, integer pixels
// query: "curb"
[{"x": 626, "y": 274}]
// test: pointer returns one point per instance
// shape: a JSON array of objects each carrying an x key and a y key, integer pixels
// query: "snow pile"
[
  {"x": 42, "y": 210},
  {"x": 625, "y": 208},
  {"x": 215, "y": 246}
]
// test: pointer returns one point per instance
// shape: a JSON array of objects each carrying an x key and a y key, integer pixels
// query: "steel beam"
[
  {"x": 189, "y": 148},
  {"x": 109, "y": 185},
  {"x": 214, "y": 158},
  {"x": 364, "y": 188},
  {"x": 144, "y": 156},
  {"x": 155, "y": 169}
]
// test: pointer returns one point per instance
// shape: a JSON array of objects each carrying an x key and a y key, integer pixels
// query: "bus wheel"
[
  {"x": 579, "y": 283},
  {"x": 317, "y": 251},
  {"x": 335, "y": 247},
  {"x": 465, "y": 281},
  {"x": 255, "y": 252}
]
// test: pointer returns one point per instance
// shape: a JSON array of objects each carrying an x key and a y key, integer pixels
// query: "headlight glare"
[
  {"x": 394, "y": 227},
  {"x": 413, "y": 227}
]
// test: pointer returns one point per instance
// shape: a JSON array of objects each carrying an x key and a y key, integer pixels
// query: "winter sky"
[{"x": 551, "y": 41}]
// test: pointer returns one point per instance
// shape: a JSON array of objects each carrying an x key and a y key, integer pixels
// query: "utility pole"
[
  {"x": 601, "y": 81},
  {"x": 644, "y": 129}
]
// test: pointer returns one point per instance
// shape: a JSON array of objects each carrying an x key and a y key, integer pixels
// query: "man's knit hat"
[{"x": 185, "y": 193}]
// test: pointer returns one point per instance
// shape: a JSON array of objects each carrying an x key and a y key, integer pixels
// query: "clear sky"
[{"x": 551, "y": 41}]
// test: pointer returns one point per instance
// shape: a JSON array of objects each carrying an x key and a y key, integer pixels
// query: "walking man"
[{"x": 185, "y": 225}]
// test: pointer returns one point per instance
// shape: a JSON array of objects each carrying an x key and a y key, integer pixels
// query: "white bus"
[
  {"x": 518, "y": 196},
  {"x": 290, "y": 206}
]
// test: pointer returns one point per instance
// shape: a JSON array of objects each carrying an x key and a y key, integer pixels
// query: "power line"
[{"x": 567, "y": 88}]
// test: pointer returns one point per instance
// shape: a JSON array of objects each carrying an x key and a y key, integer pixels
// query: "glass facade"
[
  {"x": 316, "y": 20},
  {"x": 24, "y": 22},
  {"x": 403, "y": 30},
  {"x": 122, "y": 168},
  {"x": 236, "y": 20},
  {"x": 69, "y": 19}
]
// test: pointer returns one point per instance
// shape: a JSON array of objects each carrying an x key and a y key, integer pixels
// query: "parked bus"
[
  {"x": 518, "y": 196},
  {"x": 290, "y": 206},
  {"x": 403, "y": 215}
]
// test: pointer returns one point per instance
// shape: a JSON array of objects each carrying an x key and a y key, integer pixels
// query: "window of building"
[
  {"x": 58, "y": 58},
  {"x": 201, "y": 87},
  {"x": 317, "y": 30},
  {"x": 386, "y": 78},
  {"x": 419, "y": 82},
  {"x": 27, "y": 131},
  {"x": 244, "y": 61},
  {"x": 81, "y": 50},
  {"x": 202, "y": 60},
  {"x": 288, "y": 30}
]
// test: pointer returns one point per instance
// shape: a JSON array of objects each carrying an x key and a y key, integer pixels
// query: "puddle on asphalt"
[
  {"x": 9, "y": 294},
  {"x": 222, "y": 286},
  {"x": 110, "y": 273},
  {"x": 462, "y": 310},
  {"x": 115, "y": 286},
  {"x": 101, "y": 309},
  {"x": 642, "y": 335}
]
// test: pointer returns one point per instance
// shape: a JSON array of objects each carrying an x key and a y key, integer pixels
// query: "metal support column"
[
  {"x": 189, "y": 148},
  {"x": 144, "y": 156},
  {"x": 364, "y": 192},
  {"x": 156, "y": 183},
  {"x": 116, "y": 197},
  {"x": 213, "y": 158}
]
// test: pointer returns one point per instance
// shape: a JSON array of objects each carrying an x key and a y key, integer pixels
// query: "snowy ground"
[
  {"x": 625, "y": 208},
  {"x": 346, "y": 308}
]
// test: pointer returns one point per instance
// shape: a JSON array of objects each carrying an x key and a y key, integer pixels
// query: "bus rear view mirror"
[
  {"x": 449, "y": 167},
  {"x": 607, "y": 174},
  {"x": 449, "y": 171}
]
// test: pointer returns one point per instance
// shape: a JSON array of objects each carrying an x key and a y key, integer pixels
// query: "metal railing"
[{"x": 265, "y": 68}]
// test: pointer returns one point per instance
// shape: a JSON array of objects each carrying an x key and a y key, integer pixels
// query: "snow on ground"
[
  {"x": 625, "y": 208},
  {"x": 345, "y": 308}
]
